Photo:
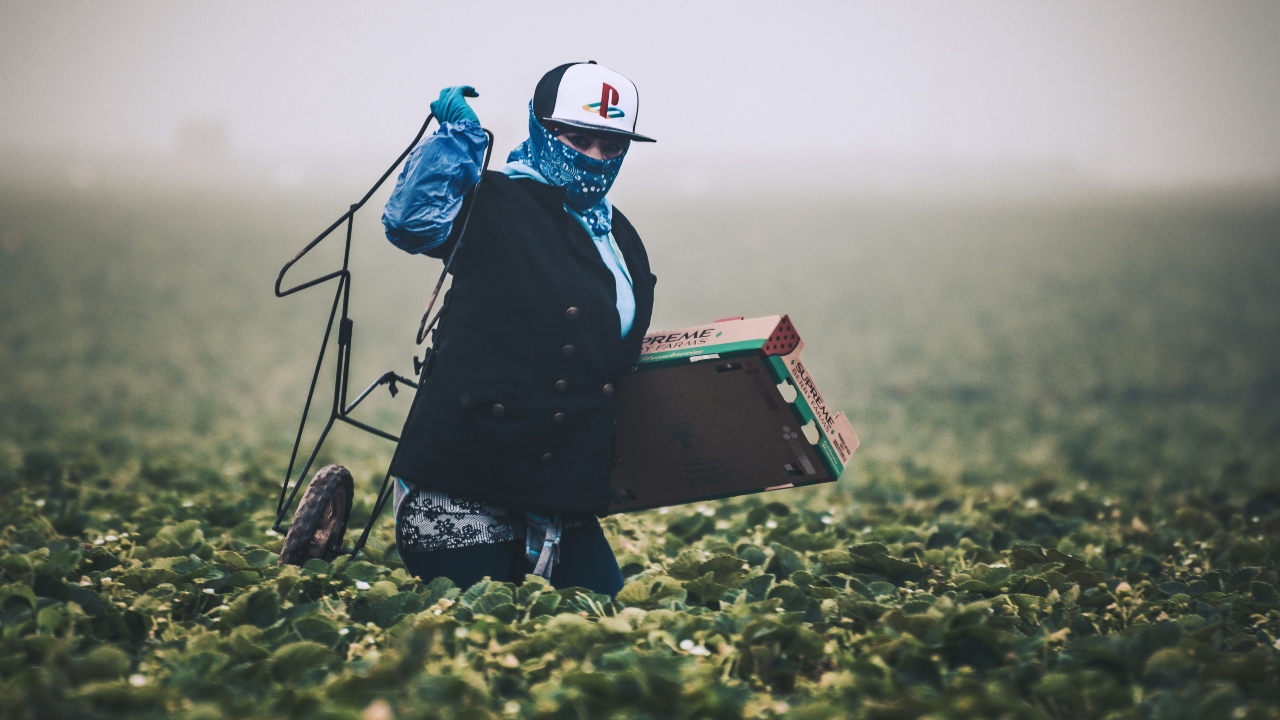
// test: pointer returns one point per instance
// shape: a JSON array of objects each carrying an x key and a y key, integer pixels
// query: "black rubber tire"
[{"x": 320, "y": 523}]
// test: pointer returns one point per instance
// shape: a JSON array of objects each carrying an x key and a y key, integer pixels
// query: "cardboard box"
[{"x": 720, "y": 410}]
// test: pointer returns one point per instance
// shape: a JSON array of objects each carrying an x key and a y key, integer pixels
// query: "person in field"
[{"x": 505, "y": 457}]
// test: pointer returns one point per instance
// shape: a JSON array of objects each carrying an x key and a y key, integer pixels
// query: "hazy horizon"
[{"x": 740, "y": 96}]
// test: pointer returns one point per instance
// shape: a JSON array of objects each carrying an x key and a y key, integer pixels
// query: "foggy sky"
[{"x": 1131, "y": 92}]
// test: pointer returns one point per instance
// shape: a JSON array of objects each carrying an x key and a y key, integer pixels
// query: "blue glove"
[{"x": 452, "y": 107}]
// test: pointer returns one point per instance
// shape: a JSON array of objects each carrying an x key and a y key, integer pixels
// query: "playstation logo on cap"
[{"x": 590, "y": 97}]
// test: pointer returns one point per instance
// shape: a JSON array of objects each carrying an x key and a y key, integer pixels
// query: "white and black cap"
[{"x": 591, "y": 97}]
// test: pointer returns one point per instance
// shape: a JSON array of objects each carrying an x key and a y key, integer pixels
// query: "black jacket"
[{"x": 516, "y": 407}]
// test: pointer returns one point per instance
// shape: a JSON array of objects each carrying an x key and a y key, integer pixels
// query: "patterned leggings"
[{"x": 586, "y": 561}]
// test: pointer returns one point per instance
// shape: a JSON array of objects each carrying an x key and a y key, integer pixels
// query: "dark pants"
[{"x": 586, "y": 561}]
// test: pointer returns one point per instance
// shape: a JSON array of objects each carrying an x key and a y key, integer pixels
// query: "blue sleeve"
[{"x": 428, "y": 194}]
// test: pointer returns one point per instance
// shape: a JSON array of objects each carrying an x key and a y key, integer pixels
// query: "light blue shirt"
[
  {"x": 608, "y": 248},
  {"x": 441, "y": 170}
]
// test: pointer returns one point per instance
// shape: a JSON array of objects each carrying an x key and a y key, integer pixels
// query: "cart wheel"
[{"x": 321, "y": 520}]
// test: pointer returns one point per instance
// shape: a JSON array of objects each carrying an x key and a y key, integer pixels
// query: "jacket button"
[
  {"x": 608, "y": 389},
  {"x": 498, "y": 410},
  {"x": 568, "y": 351},
  {"x": 571, "y": 313},
  {"x": 558, "y": 418},
  {"x": 561, "y": 386},
  {"x": 547, "y": 458}
]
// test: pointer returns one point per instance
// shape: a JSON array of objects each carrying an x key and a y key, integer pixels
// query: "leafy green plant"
[{"x": 1064, "y": 507}]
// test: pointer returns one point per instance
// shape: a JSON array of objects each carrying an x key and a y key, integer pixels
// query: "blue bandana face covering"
[{"x": 585, "y": 180}]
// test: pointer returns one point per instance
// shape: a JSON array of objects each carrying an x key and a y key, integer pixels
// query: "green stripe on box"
[
  {"x": 778, "y": 369},
  {"x": 829, "y": 457},
  {"x": 668, "y": 358}
]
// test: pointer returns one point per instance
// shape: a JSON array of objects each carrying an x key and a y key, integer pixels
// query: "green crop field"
[{"x": 1066, "y": 503}]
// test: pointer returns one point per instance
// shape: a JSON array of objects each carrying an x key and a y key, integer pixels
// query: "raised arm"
[{"x": 437, "y": 174}]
